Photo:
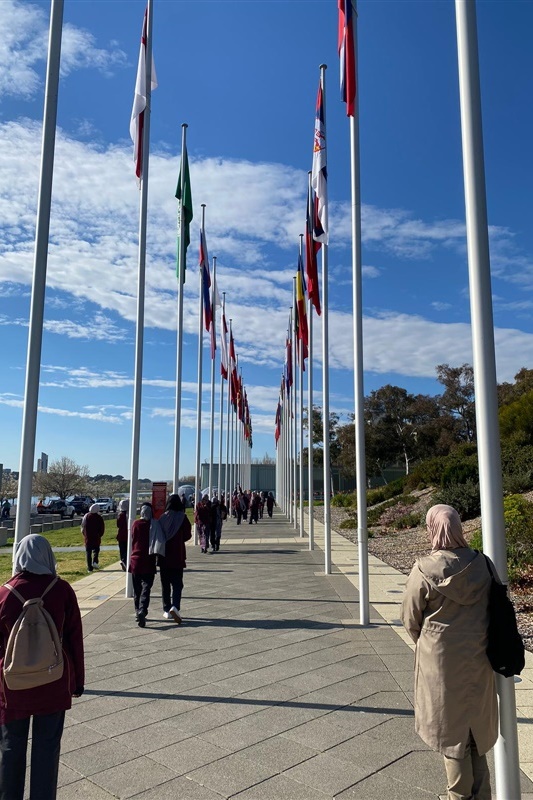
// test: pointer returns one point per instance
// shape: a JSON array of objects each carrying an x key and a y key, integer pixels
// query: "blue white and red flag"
[{"x": 319, "y": 175}]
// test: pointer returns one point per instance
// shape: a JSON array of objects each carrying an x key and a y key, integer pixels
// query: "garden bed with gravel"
[{"x": 400, "y": 548}]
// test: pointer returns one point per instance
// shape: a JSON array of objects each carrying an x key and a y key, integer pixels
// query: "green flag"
[{"x": 185, "y": 208}]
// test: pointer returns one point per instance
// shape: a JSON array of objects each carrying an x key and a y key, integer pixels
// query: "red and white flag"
[{"x": 139, "y": 103}]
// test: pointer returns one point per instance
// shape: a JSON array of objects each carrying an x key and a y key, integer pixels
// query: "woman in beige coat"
[{"x": 445, "y": 611}]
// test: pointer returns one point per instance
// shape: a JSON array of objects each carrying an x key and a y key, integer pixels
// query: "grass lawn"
[{"x": 70, "y": 566}]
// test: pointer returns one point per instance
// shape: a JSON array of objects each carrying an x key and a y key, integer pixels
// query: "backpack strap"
[{"x": 21, "y": 598}]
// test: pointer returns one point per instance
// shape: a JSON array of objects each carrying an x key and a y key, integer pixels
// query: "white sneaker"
[
  {"x": 174, "y": 613},
  {"x": 166, "y": 614}
]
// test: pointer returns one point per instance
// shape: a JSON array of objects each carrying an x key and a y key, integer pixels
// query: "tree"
[
  {"x": 318, "y": 436},
  {"x": 266, "y": 459},
  {"x": 9, "y": 488},
  {"x": 516, "y": 420},
  {"x": 458, "y": 397},
  {"x": 64, "y": 478}
]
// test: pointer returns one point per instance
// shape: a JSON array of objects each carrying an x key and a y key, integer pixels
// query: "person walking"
[
  {"x": 45, "y": 706},
  {"x": 254, "y": 508},
  {"x": 216, "y": 523},
  {"x": 270, "y": 504},
  {"x": 176, "y": 530},
  {"x": 122, "y": 532},
  {"x": 92, "y": 528},
  {"x": 445, "y": 610},
  {"x": 142, "y": 563},
  {"x": 202, "y": 520}
]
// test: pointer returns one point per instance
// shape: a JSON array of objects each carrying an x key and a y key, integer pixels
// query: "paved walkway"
[{"x": 270, "y": 690}]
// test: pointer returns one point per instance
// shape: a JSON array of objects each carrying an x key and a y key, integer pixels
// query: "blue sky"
[{"x": 244, "y": 76}]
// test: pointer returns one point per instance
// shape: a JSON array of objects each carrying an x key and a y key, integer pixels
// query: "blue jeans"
[{"x": 47, "y": 730}]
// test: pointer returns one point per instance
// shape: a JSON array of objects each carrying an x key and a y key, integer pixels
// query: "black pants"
[
  {"x": 46, "y": 744},
  {"x": 142, "y": 586},
  {"x": 171, "y": 579},
  {"x": 92, "y": 559},
  {"x": 123, "y": 550}
]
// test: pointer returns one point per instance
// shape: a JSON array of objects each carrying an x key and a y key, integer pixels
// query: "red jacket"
[
  {"x": 93, "y": 527},
  {"x": 141, "y": 562},
  {"x": 61, "y": 602}
]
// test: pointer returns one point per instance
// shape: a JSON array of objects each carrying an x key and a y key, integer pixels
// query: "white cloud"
[
  {"x": 6, "y": 400},
  {"x": 23, "y": 49}
]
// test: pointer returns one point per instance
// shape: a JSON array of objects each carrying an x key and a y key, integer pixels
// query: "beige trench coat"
[{"x": 445, "y": 611}]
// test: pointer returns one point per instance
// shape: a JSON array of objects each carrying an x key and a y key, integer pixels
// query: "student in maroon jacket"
[
  {"x": 35, "y": 570},
  {"x": 142, "y": 564},
  {"x": 176, "y": 530},
  {"x": 122, "y": 532},
  {"x": 93, "y": 528}
]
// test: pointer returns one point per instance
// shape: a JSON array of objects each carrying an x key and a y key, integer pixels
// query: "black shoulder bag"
[{"x": 505, "y": 648}]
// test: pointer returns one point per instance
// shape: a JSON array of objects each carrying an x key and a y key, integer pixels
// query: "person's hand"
[{"x": 78, "y": 691}]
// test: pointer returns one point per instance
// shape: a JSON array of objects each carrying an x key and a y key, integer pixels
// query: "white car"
[{"x": 105, "y": 504}]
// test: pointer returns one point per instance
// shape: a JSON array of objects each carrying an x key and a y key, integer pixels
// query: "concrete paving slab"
[
  {"x": 281, "y": 788},
  {"x": 232, "y": 774}
]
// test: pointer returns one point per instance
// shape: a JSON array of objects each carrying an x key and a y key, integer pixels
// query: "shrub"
[
  {"x": 517, "y": 482},
  {"x": 518, "y": 516},
  {"x": 392, "y": 489},
  {"x": 460, "y": 472},
  {"x": 375, "y": 496},
  {"x": 351, "y": 522},
  {"x": 343, "y": 500},
  {"x": 464, "y": 497},
  {"x": 408, "y": 521}
]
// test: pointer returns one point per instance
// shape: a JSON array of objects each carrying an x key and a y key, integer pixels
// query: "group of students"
[
  {"x": 250, "y": 505},
  {"x": 208, "y": 517}
]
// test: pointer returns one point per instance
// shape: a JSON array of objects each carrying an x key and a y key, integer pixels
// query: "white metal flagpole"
[
  {"x": 179, "y": 344},
  {"x": 506, "y": 759},
  {"x": 40, "y": 263},
  {"x": 310, "y": 462},
  {"x": 139, "y": 336},
  {"x": 213, "y": 359},
  {"x": 359, "y": 416},
  {"x": 198, "y": 477},
  {"x": 221, "y": 483},
  {"x": 325, "y": 377}
]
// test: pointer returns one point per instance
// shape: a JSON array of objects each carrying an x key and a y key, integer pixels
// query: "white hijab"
[{"x": 34, "y": 554}]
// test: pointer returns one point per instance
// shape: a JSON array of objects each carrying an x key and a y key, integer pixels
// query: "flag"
[
  {"x": 312, "y": 246},
  {"x": 288, "y": 364},
  {"x": 215, "y": 303},
  {"x": 319, "y": 175},
  {"x": 233, "y": 371},
  {"x": 301, "y": 316},
  {"x": 139, "y": 103},
  {"x": 347, "y": 56},
  {"x": 224, "y": 348},
  {"x": 206, "y": 281},
  {"x": 277, "y": 428},
  {"x": 185, "y": 213}
]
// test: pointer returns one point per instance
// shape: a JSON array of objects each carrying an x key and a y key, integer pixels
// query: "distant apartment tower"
[{"x": 42, "y": 463}]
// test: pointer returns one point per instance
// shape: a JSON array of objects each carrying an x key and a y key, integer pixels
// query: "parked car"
[
  {"x": 60, "y": 507},
  {"x": 81, "y": 503},
  {"x": 105, "y": 504}
]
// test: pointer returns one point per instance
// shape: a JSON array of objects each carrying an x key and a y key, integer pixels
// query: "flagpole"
[
  {"x": 325, "y": 376},
  {"x": 359, "y": 417},
  {"x": 139, "y": 337},
  {"x": 301, "y": 412},
  {"x": 294, "y": 425},
  {"x": 506, "y": 758},
  {"x": 213, "y": 359},
  {"x": 198, "y": 477},
  {"x": 227, "y": 484},
  {"x": 221, "y": 483},
  {"x": 310, "y": 463},
  {"x": 230, "y": 396},
  {"x": 179, "y": 344},
  {"x": 40, "y": 263}
]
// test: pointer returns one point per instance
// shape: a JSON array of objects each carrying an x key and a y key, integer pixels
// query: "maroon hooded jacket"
[{"x": 62, "y": 604}]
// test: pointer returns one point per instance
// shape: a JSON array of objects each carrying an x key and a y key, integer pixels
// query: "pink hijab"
[{"x": 445, "y": 528}]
